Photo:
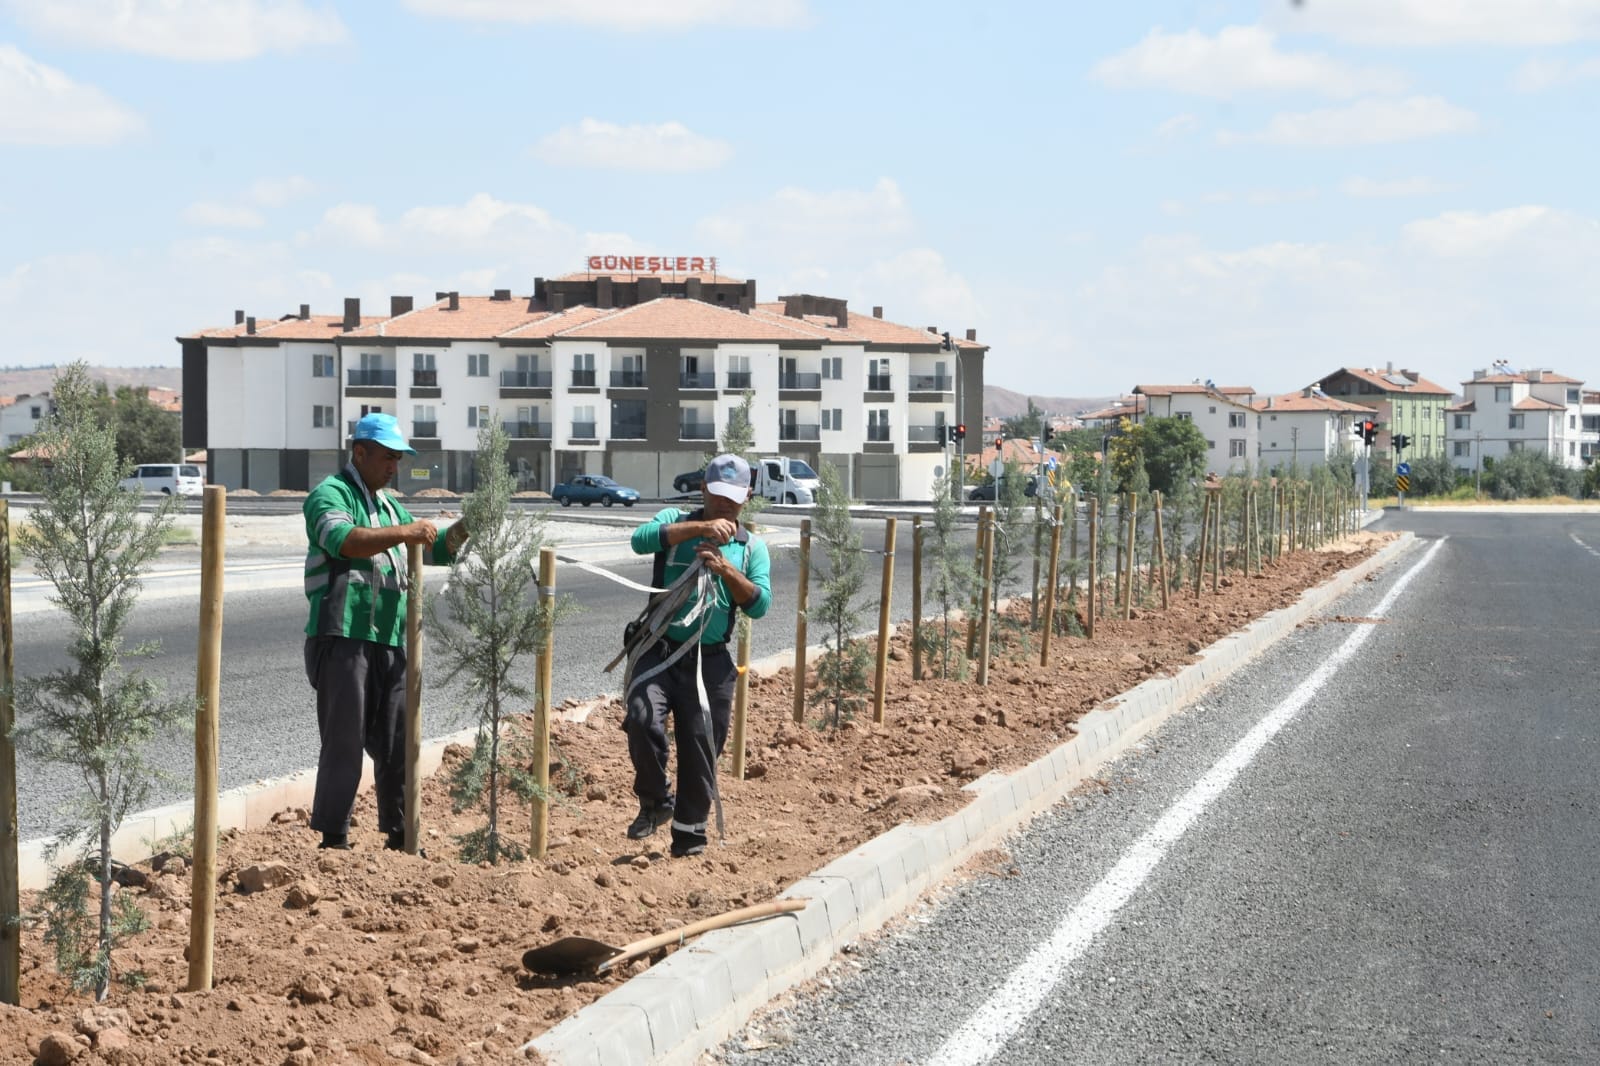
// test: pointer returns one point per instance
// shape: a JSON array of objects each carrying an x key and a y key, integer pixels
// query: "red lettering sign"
[{"x": 651, "y": 264}]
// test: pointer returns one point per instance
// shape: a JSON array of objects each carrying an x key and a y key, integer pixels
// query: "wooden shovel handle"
[{"x": 705, "y": 925}]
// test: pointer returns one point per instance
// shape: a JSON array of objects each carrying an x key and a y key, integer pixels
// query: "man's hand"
[
  {"x": 714, "y": 561},
  {"x": 420, "y": 532},
  {"x": 718, "y": 531}
]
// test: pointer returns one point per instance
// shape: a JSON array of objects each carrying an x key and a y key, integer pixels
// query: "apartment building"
[
  {"x": 1405, "y": 402},
  {"x": 1505, "y": 411},
  {"x": 20, "y": 416},
  {"x": 1307, "y": 428},
  {"x": 1224, "y": 415},
  {"x": 632, "y": 375}
]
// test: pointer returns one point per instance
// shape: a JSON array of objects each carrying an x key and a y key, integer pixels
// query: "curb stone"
[{"x": 725, "y": 975}]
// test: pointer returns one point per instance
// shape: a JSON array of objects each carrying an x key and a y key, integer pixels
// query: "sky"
[{"x": 1111, "y": 194}]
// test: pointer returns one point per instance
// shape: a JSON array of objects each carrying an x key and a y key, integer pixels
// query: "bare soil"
[{"x": 373, "y": 956}]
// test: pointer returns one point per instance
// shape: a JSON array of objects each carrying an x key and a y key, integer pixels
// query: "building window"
[
  {"x": 1211, "y": 410},
  {"x": 1211, "y": 445},
  {"x": 1236, "y": 449},
  {"x": 583, "y": 426},
  {"x": 424, "y": 372},
  {"x": 322, "y": 416},
  {"x": 424, "y": 420},
  {"x": 1502, "y": 394},
  {"x": 1515, "y": 445},
  {"x": 878, "y": 424},
  {"x": 477, "y": 364},
  {"x": 833, "y": 418},
  {"x": 1184, "y": 416},
  {"x": 628, "y": 420},
  {"x": 1236, "y": 420},
  {"x": 583, "y": 378},
  {"x": 1463, "y": 447},
  {"x": 1572, "y": 448},
  {"x": 1572, "y": 421},
  {"x": 1515, "y": 421},
  {"x": 321, "y": 366},
  {"x": 878, "y": 376},
  {"x": 477, "y": 417},
  {"x": 738, "y": 371},
  {"x": 1463, "y": 421},
  {"x": 833, "y": 368},
  {"x": 1573, "y": 397}
]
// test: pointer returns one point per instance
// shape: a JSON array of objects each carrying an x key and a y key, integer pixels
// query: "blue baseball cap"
[
  {"x": 729, "y": 475},
  {"x": 382, "y": 429}
]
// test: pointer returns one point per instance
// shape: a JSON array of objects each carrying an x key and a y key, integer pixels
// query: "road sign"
[
  {"x": 1403, "y": 469},
  {"x": 1050, "y": 462},
  {"x": 996, "y": 467},
  {"x": 1402, "y": 483}
]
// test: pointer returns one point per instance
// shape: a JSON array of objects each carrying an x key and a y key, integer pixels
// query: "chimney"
[
  {"x": 238, "y": 318},
  {"x": 352, "y": 312},
  {"x": 305, "y": 312},
  {"x": 455, "y": 301},
  {"x": 691, "y": 289},
  {"x": 934, "y": 330},
  {"x": 399, "y": 305},
  {"x": 1477, "y": 374},
  {"x": 250, "y": 324},
  {"x": 1535, "y": 376},
  {"x": 1306, "y": 392},
  {"x": 558, "y": 302},
  {"x": 649, "y": 288},
  {"x": 439, "y": 295},
  {"x": 877, "y": 311},
  {"x": 602, "y": 293},
  {"x": 533, "y": 304},
  {"x": 747, "y": 303},
  {"x": 1391, "y": 367},
  {"x": 972, "y": 335},
  {"x": 502, "y": 294}
]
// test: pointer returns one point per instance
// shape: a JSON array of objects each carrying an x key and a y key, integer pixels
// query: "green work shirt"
[
  {"x": 750, "y": 557},
  {"x": 360, "y": 598}
]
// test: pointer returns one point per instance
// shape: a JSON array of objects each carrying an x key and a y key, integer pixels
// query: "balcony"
[
  {"x": 424, "y": 379},
  {"x": 628, "y": 429},
  {"x": 697, "y": 379},
  {"x": 627, "y": 379},
  {"x": 524, "y": 379},
  {"x": 878, "y": 434},
  {"x": 932, "y": 383},
  {"x": 364, "y": 378},
  {"x": 879, "y": 384},
  {"x": 527, "y": 430},
  {"x": 425, "y": 429},
  {"x": 584, "y": 430},
  {"x": 583, "y": 379},
  {"x": 788, "y": 431},
  {"x": 800, "y": 381},
  {"x": 926, "y": 435},
  {"x": 692, "y": 429},
  {"x": 738, "y": 379}
]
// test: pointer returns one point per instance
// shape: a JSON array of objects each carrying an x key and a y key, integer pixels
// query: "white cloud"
[
  {"x": 222, "y": 216},
  {"x": 1537, "y": 75},
  {"x": 1239, "y": 59},
  {"x": 1375, "y": 188},
  {"x": 201, "y": 30},
  {"x": 41, "y": 105},
  {"x": 669, "y": 146},
  {"x": 1478, "y": 233},
  {"x": 1178, "y": 126},
  {"x": 1363, "y": 122},
  {"x": 1515, "y": 23},
  {"x": 275, "y": 192},
  {"x": 483, "y": 224},
  {"x": 622, "y": 14}
]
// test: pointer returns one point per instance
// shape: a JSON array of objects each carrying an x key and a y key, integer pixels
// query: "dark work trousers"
[
  {"x": 361, "y": 706},
  {"x": 674, "y": 692}
]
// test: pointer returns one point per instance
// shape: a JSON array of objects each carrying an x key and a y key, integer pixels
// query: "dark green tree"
[
  {"x": 145, "y": 433},
  {"x": 1173, "y": 450},
  {"x": 1027, "y": 425},
  {"x": 842, "y": 679}
]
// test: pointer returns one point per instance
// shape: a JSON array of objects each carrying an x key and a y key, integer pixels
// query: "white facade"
[
  {"x": 20, "y": 418},
  {"x": 1307, "y": 429},
  {"x": 1228, "y": 424},
  {"x": 1504, "y": 413}
]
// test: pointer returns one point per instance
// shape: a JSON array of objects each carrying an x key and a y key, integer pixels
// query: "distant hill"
[
  {"x": 16, "y": 381},
  {"x": 1003, "y": 403}
]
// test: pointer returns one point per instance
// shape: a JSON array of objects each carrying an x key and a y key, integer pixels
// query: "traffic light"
[
  {"x": 1367, "y": 430},
  {"x": 945, "y": 343},
  {"x": 1047, "y": 434},
  {"x": 1401, "y": 442},
  {"x": 958, "y": 432}
]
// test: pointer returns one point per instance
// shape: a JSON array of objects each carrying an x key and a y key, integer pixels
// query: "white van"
[{"x": 170, "y": 479}]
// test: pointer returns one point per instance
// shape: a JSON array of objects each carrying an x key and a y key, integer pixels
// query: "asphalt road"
[
  {"x": 268, "y": 725},
  {"x": 1403, "y": 871}
]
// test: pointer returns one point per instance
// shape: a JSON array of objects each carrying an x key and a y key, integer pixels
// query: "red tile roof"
[
  {"x": 1296, "y": 402},
  {"x": 1420, "y": 387},
  {"x": 1533, "y": 403},
  {"x": 1545, "y": 378}
]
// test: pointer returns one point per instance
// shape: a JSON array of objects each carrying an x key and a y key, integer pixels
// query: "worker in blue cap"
[{"x": 356, "y": 581}]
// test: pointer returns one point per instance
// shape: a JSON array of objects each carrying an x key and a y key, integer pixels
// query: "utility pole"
[{"x": 1477, "y": 470}]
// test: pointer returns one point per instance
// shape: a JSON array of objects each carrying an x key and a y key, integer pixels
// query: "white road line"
[
  {"x": 986, "y": 1032},
  {"x": 1582, "y": 545}
]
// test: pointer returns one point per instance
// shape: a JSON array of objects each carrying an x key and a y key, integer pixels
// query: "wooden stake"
[
  {"x": 916, "y": 597},
  {"x": 413, "y": 795},
  {"x": 1200, "y": 554},
  {"x": 1050, "y": 588},
  {"x": 800, "y": 622},
  {"x": 1132, "y": 555},
  {"x": 1038, "y": 550},
  {"x": 977, "y": 571},
  {"x": 1161, "y": 556},
  {"x": 10, "y": 870},
  {"x": 741, "y": 698},
  {"x": 880, "y": 684},
  {"x": 1217, "y": 525},
  {"x": 984, "y": 625},
  {"x": 208, "y": 696},
  {"x": 1072, "y": 553},
  {"x": 1094, "y": 564},
  {"x": 539, "y": 832},
  {"x": 1122, "y": 529}
]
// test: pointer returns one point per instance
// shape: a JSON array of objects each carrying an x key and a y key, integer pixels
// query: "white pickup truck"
[{"x": 785, "y": 480}]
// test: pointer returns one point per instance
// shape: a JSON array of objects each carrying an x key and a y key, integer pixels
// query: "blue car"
[{"x": 589, "y": 488}]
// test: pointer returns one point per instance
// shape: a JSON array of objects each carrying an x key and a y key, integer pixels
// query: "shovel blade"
[{"x": 569, "y": 955}]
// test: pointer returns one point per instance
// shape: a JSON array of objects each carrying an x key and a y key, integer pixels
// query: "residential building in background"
[
  {"x": 1224, "y": 415},
  {"x": 632, "y": 375},
  {"x": 1405, "y": 402},
  {"x": 20, "y": 417},
  {"x": 1129, "y": 407},
  {"x": 1505, "y": 411},
  {"x": 1307, "y": 428}
]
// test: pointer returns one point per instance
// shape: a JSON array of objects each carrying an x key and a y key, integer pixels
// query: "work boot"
[
  {"x": 335, "y": 841},
  {"x": 396, "y": 841},
  {"x": 685, "y": 849},
  {"x": 652, "y": 813}
]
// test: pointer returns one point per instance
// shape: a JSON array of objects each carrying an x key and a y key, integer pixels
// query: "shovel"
[{"x": 579, "y": 954}]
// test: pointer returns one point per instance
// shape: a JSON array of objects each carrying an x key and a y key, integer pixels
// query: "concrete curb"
[{"x": 701, "y": 995}]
